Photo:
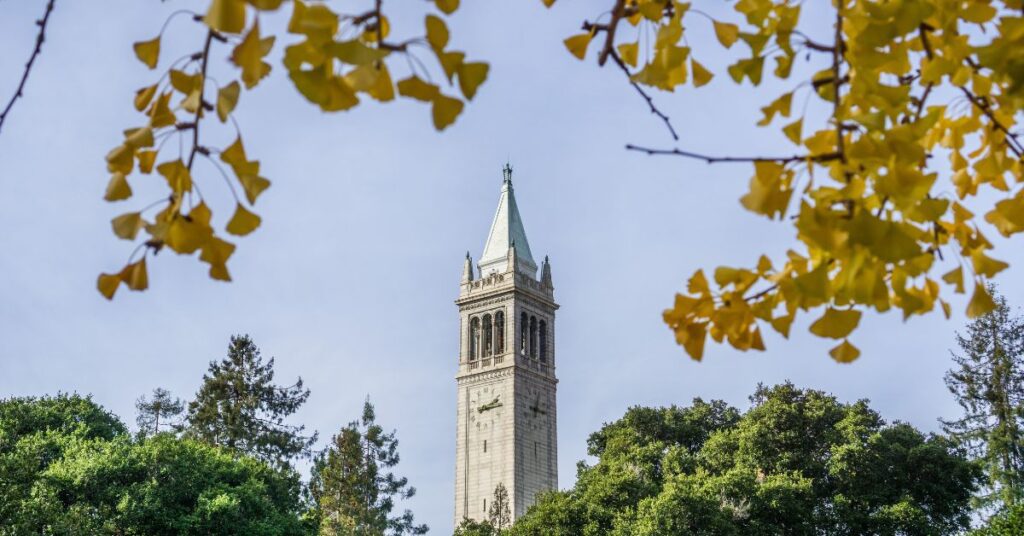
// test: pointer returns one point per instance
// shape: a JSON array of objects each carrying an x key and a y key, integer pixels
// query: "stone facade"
[{"x": 506, "y": 428}]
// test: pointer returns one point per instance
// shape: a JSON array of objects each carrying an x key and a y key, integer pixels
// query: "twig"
[
  {"x": 199, "y": 109},
  {"x": 717, "y": 159},
  {"x": 650, "y": 101},
  {"x": 31, "y": 60}
]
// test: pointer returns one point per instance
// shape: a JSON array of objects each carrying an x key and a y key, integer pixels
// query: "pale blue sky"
[{"x": 351, "y": 280}]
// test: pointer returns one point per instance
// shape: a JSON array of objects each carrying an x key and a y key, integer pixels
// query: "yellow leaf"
[
  {"x": 121, "y": 159},
  {"x": 107, "y": 285},
  {"x": 160, "y": 114},
  {"x": 138, "y": 137},
  {"x": 727, "y": 33},
  {"x": 471, "y": 75},
  {"x": 354, "y": 52},
  {"x": 981, "y": 302},
  {"x": 127, "y": 225},
  {"x": 437, "y": 32},
  {"x": 418, "y": 89},
  {"x": 577, "y": 44},
  {"x": 384, "y": 89},
  {"x": 216, "y": 252},
  {"x": 955, "y": 277},
  {"x": 447, "y": 6},
  {"x": 200, "y": 214},
  {"x": 134, "y": 275},
  {"x": 445, "y": 110},
  {"x": 226, "y": 15},
  {"x": 185, "y": 236},
  {"x": 253, "y": 186},
  {"x": 692, "y": 337},
  {"x": 227, "y": 98},
  {"x": 117, "y": 188},
  {"x": 243, "y": 222},
  {"x": 836, "y": 323},
  {"x": 628, "y": 52},
  {"x": 701, "y": 75},
  {"x": 782, "y": 324},
  {"x": 985, "y": 265},
  {"x": 780, "y": 105},
  {"x": 184, "y": 82},
  {"x": 144, "y": 96},
  {"x": 148, "y": 52},
  {"x": 698, "y": 284},
  {"x": 548, "y": 3},
  {"x": 794, "y": 131},
  {"x": 845, "y": 352},
  {"x": 178, "y": 177},
  {"x": 249, "y": 56},
  {"x": 234, "y": 155}
]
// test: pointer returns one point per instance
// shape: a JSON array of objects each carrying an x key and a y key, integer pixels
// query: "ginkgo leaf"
[
  {"x": 354, "y": 52},
  {"x": 698, "y": 284},
  {"x": 780, "y": 105},
  {"x": 628, "y": 52},
  {"x": 185, "y": 236},
  {"x": 148, "y": 52},
  {"x": 184, "y": 82},
  {"x": 437, "y": 32},
  {"x": 445, "y": 110},
  {"x": 471, "y": 75},
  {"x": 794, "y": 131},
  {"x": 216, "y": 251},
  {"x": 447, "y": 6},
  {"x": 134, "y": 275},
  {"x": 836, "y": 323},
  {"x": 548, "y": 3},
  {"x": 985, "y": 265},
  {"x": 121, "y": 159},
  {"x": 226, "y": 16},
  {"x": 782, "y": 324},
  {"x": 418, "y": 89},
  {"x": 577, "y": 44},
  {"x": 981, "y": 302},
  {"x": 138, "y": 137},
  {"x": 107, "y": 285},
  {"x": 701, "y": 75},
  {"x": 178, "y": 177},
  {"x": 160, "y": 114},
  {"x": 117, "y": 188},
  {"x": 727, "y": 33},
  {"x": 253, "y": 186},
  {"x": 450, "y": 62},
  {"x": 249, "y": 56},
  {"x": 955, "y": 277},
  {"x": 227, "y": 99},
  {"x": 143, "y": 97},
  {"x": 384, "y": 89},
  {"x": 242, "y": 222},
  {"x": 127, "y": 225},
  {"x": 845, "y": 352}
]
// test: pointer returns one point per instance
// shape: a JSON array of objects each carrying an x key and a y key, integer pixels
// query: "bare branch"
[
  {"x": 721, "y": 159},
  {"x": 31, "y": 60},
  {"x": 650, "y": 101}
]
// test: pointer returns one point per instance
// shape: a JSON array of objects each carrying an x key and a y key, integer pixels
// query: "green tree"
[
  {"x": 161, "y": 410},
  {"x": 165, "y": 486},
  {"x": 500, "y": 515},
  {"x": 988, "y": 383},
  {"x": 471, "y": 527},
  {"x": 798, "y": 462},
  {"x": 1007, "y": 523},
  {"x": 240, "y": 408},
  {"x": 353, "y": 489},
  {"x": 35, "y": 433}
]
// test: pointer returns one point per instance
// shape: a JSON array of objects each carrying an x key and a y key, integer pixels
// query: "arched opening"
[
  {"x": 474, "y": 339},
  {"x": 523, "y": 330},
  {"x": 488, "y": 335},
  {"x": 499, "y": 333},
  {"x": 543, "y": 341},
  {"x": 533, "y": 336}
]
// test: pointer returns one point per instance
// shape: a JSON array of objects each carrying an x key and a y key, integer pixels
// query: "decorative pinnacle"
[{"x": 507, "y": 172}]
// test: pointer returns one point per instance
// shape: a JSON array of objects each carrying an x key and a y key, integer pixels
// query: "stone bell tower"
[{"x": 506, "y": 429}]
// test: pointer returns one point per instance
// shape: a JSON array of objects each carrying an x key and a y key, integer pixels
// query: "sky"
[{"x": 350, "y": 281}]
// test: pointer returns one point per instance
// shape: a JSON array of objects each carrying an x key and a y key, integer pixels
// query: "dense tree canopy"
[{"x": 798, "y": 462}]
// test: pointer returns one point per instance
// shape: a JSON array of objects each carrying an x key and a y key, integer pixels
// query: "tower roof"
[{"x": 507, "y": 232}]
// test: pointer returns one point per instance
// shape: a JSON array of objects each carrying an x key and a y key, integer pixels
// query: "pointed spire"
[
  {"x": 467, "y": 269},
  {"x": 545, "y": 273},
  {"x": 507, "y": 232}
]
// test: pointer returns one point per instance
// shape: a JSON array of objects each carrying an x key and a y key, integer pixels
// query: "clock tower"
[{"x": 506, "y": 429}]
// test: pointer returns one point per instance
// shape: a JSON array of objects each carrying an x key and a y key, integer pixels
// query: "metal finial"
[{"x": 507, "y": 172}]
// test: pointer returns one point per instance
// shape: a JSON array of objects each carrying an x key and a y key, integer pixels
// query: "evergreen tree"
[
  {"x": 988, "y": 383},
  {"x": 161, "y": 410},
  {"x": 499, "y": 515},
  {"x": 352, "y": 488},
  {"x": 471, "y": 527},
  {"x": 240, "y": 408}
]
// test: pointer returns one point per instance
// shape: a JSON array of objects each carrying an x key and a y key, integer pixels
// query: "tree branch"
[
  {"x": 199, "y": 109},
  {"x": 650, "y": 101},
  {"x": 31, "y": 60},
  {"x": 719, "y": 159}
]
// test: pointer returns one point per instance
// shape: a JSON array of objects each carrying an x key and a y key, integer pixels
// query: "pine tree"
[
  {"x": 239, "y": 407},
  {"x": 499, "y": 514},
  {"x": 988, "y": 383},
  {"x": 162, "y": 410},
  {"x": 352, "y": 488}
]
